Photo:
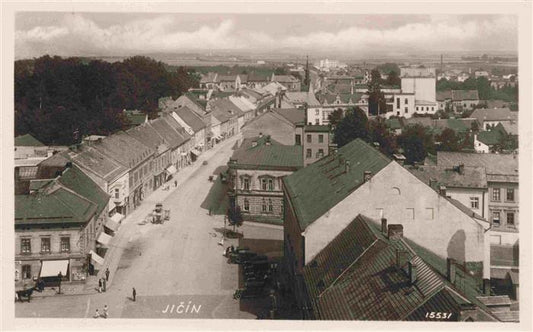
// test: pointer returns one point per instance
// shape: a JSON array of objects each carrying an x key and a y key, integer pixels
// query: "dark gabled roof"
[
  {"x": 285, "y": 79},
  {"x": 472, "y": 177},
  {"x": 194, "y": 98},
  {"x": 394, "y": 123},
  {"x": 493, "y": 136},
  {"x": 74, "y": 179},
  {"x": 264, "y": 156},
  {"x": 125, "y": 149},
  {"x": 443, "y": 95},
  {"x": 224, "y": 110},
  {"x": 97, "y": 163},
  {"x": 355, "y": 277},
  {"x": 135, "y": 119},
  {"x": 293, "y": 115},
  {"x": 55, "y": 205},
  {"x": 321, "y": 185},
  {"x": 190, "y": 118},
  {"x": 257, "y": 77},
  {"x": 164, "y": 128},
  {"x": 27, "y": 140},
  {"x": 494, "y": 114},
  {"x": 495, "y": 164},
  {"x": 146, "y": 134}
]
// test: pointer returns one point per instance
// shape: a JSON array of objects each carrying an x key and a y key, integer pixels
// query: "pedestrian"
[
  {"x": 104, "y": 283},
  {"x": 134, "y": 294},
  {"x": 96, "y": 314},
  {"x": 175, "y": 183},
  {"x": 100, "y": 285},
  {"x": 107, "y": 274},
  {"x": 105, "y": 311}
]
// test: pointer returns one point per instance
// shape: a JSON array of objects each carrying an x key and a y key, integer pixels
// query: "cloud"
[{"x": 79, "y": 35}]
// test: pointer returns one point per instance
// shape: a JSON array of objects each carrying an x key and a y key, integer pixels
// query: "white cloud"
[{"x": 78, "y": 35}]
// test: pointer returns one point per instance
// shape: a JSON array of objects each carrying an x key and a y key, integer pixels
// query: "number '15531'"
[{"x": 438, "y": 315}]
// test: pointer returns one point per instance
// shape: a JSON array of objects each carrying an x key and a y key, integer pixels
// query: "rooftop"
[
  {"x": 494, "y": 114},
  {"x": 285, "y": 79},
  {"x": 293, "y": 115},
  {"x": 27, "y": 140},
  {"x": 190, "y": 118},
  {"x": 471, "y": 177},
  {"x": 318, "y": 187},
  {"x": 266, "y": 153},
  {"x": 97, "y": 163},
  {"x": 494, "y": 164},
  {"x": 125, "y": 149}
]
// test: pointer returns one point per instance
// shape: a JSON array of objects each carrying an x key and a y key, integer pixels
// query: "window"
[
  {"x": 430, "y": 213},
  {"x": 320, "y": 153},
  {"x": 246, "y": 204},
  {"x": 496, "y": 218},
  {"x": 317, "y": 112},
  {"x": 410, "y": 213},
  {"x": 510, "y": 219},
  {"x": 308, "y": 153},
  {"x": 246, "y": 183},
  {"x": 65, "y": 244},
  {"x": 25, "y": 246},
  {"x": 270, "y": 184},
  {"x": 298, "y": 139},
  {"x": 417, "y": 108},
  {"x": 406, "y": 109},
  {"x": 117, "y": 193},
  {"x": 263, "y": 206},
  {"x": 397, "y": 102},
  {"x": 309, "y": 139},
  {"x": 317, "y": 121},
  {"x": 270, "y": 205},
  {"x": 510, "y": 194},
  {"x": 474, "y": 202},
  {"x": 406, "y": 102},
  {"x": 26, "y": 271},
  {"x": 45, "y": 245},
  {"x": 496, "y": 194},
  {"x": 321, "y": 138}
]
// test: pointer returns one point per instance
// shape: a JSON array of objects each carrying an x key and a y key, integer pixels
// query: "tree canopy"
[
  {"x": 376, "y": 98},
  {"x": 353, "y": 125},
  {"x": 55, "y": 97},
  {"x": 416, "y": 143}
]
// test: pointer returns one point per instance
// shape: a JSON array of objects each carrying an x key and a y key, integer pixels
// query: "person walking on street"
[
  {"x": 104, "y": 283},
  {"x": 134, "y": 294},
  {"x": 105, "y": 311},
  {"x": 100, "y": 285},
  {"x": 107, "y": 274},
  {"x": 96, "y": 314}
]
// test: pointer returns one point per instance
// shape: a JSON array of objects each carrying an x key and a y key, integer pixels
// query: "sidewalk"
[{"x": 129, "y": 224}]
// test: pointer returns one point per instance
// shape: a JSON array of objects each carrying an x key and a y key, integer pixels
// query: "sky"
[{"x": 123, "y": 34}]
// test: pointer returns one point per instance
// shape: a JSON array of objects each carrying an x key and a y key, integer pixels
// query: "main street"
[{"x": 178, "y": 262}]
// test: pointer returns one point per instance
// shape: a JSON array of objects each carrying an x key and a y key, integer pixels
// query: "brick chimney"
[
  {"x": 432, "y": 182},
  {"x": 384, "y": 226},
  {"x": 442, "y": 190},
  {"x": 450, "y": 269},
  {"x": 367, "y": 176},
  {"x": 401, "y": 258},
  {"x": 413, "y": 273},
  {"x": 395, "y": 231}
]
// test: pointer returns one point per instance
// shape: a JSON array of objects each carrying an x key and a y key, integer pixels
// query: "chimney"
[
  {"x": 267, "y": 142},
  {"x": 395, "y": 231},
  {"x": 461, "y": 169},
  {"x": 401, "y": 258},
  {"x": 442, "y": 190},
  {"x": 450, "y": 270},
  {"x": 432, "y": 182},
  {"x": 412, "y": 272},
  {"x": 260, "y": 135},
  {"x": 384, "y": 226},
  {"x": 347, "y": 166},
  {"x": 367, "y": 176},
  {"x": 486, "y": 287}
]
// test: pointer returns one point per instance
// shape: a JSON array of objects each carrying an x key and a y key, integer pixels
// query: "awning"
[
  {"x": 112, "y": 225},
  {"x": 195, "y": 152},
  {"x": 104, "y": 239},
  {"x": 96, "y": 258},
  {"x": 53, "y": 268},
  {"x": 171, "y": 170}
]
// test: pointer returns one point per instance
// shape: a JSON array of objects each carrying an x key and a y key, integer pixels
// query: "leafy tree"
[
  {"x": 380, "y": 132},
  {"x": 416, "y": 143},
  {"x": 449, "y": 140},
  {"x": 353, "y": 125},
  {"x": 335, "y": 117},
  {"x": 234, "y": 215},
  {"x": 280, "y": 71},
  {"x": 474, "y": 127},
  {"x": 376, "y": 98},
  {"x": 393, "y": 78}
]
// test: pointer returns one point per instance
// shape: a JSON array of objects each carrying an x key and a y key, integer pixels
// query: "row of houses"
[{"x": 232, "y": 83}]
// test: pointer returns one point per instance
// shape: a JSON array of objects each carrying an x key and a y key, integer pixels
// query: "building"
[
  {"x": 488, "y": 118},
  {"x": 245, "y": 106},
  {"x": 134, "y": 156},
  {"x": 457, "y": 100},
  {"x": 57, "y": 225},
  {"x": 324, "y": 197},
  {"x": 491, "y": 140},
  {"x": 257, "y": 80},
  {"x": 193, "y": 125},
  {"x": 422, "y": 83},
  {"x": 179, "y": 141},
  {"x": 256, "y": 169},
  {"x": 466, "y": 184},
  {"x": 316, "y": 142},
  {"x": 279, "y": 123},
  {"x": 368, "y": 273},
  {"x": 332, "y": 101},
  {"x": 230, "y": 116},
  {"x": 288, "y": 81}
]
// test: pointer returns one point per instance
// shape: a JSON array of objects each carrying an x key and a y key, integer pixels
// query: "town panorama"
[{"x": 376, "y": 180}]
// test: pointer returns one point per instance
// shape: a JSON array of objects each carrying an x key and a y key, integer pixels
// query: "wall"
[
  {"x": 423, "y": 87},
  {"x": 293, "y": 239},
  {"x": 314, "y": 146},
  {"x": 123, "y": 192},
  {"x": 480, "y": 147},
  {"x": 507, "y": 233},
  {"x": 405, "y": 109},
  {"x": 437, "y": 224}
]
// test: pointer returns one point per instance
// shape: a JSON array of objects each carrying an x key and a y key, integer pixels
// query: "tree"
[
  {"x": 376, "y": 98},
  {"x": 393, "y": 78},
  {"x": 335, "y": 117},
  {"x": 280, "y": 71},
  {"x": 380, "y": 132},
  {"x": 449, "y": 140},
  {"x": 353, "y": 125},
  {"x": 416, "y": 143},
  {"x": 234, "y": 215}
]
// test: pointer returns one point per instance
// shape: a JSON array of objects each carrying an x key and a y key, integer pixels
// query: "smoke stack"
[
  {"x": 412, "y": 272},
  {"x": 367, "y": 176},
  {"x": 384, "y": 226},
  {"x": 442, "y": 190},
  {"x": 395, "y": 231},
  {"x": 450, "y": 270},
  {"x": 432, "y": 183}
]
